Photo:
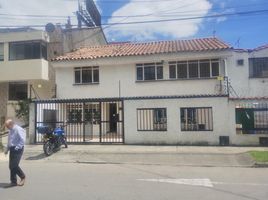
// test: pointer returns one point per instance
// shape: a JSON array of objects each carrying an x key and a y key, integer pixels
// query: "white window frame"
[
  {"x": 175, "y": 63},
  {"x": 80, "y": 69},
  {"x": 144, "y": 65}
]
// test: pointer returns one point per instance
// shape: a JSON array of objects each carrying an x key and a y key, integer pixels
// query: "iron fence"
[
  {"x": 252, "y": 118},
  {"x": 97, "y": 121}
]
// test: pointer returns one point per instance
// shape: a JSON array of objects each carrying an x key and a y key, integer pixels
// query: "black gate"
[{"x": 87, "y": 121}]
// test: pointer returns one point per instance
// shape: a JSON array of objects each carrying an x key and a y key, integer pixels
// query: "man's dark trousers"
[{"x": 14, "y": 161}]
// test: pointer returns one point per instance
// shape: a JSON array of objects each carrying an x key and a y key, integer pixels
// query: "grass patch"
[{"x": 259, "y": 156}]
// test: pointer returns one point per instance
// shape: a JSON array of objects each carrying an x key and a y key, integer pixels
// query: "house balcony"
[{"x": 24, "y": 70}]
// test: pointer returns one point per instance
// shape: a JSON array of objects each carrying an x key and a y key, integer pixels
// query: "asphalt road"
[{"x": 81, "y": 181}]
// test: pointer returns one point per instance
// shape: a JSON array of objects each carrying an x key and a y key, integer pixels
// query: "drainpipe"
[{"x": 226, "y": 75}]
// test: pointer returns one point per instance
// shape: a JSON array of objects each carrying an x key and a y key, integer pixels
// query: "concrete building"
[{"x": 25, "y": 67}]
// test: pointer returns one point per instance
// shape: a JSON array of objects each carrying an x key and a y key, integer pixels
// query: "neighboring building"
[
  {"x": 25, "y": 68},
  {"x": 248, "y": 76}
]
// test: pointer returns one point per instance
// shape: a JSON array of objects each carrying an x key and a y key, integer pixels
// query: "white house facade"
[{"x": 174, "y": 92}]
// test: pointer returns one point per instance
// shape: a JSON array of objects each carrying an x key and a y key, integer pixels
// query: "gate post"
[{"x": 32, "y": 117}]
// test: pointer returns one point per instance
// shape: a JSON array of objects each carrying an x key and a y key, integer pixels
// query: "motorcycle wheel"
[
  {"x": 64, "y": 142},
  {"x": 48, "y": 148}
]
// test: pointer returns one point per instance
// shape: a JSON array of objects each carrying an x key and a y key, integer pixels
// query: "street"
[{"x": 48, "y": 179}]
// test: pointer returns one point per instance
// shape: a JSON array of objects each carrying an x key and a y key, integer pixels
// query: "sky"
[{"x": 236, "y": 23}]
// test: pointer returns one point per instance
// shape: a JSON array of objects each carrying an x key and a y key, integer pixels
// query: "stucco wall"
[
  {"x": 76, "y": 38},
  {"x": 121, "y": 73},
  {"x": 239, "y": 75},
  {"x": 3, "y": 101},
  {"x": 174, "y": 135}
]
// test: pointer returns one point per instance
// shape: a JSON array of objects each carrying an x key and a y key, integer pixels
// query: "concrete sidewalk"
[{"x": 134, "y": 154}]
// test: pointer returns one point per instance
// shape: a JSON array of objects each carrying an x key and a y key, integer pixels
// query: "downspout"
[{"x": 226, "y": 76}]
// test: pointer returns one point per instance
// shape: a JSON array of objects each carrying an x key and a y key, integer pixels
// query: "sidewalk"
[{"x": 134, "y": 154}]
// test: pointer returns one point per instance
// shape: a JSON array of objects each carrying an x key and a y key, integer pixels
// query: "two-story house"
[{"x": 169, "y": 92}]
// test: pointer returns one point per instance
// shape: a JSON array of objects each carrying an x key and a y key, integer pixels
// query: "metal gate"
[{"x": 87, "y": 121}]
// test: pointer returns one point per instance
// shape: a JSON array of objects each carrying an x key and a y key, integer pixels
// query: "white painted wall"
[
  {"x": 22, "y": 70},
  {"x": 123, "y": 70},
  {"x": 174, "y": 135},
  {"x": 239, "y": 75},
  {"x": 24, "y": 36}
]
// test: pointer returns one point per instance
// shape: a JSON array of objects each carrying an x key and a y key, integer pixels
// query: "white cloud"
[
  {"x": 37, "y": 7},
  {"x": 158, "y": 10}
]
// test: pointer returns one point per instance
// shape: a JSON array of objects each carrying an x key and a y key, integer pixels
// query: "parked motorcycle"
[{"x": 53, "y": 139}]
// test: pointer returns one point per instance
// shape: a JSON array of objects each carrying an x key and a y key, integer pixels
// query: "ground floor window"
[
  {"x": 152, "y": 119},
  {"x": 196, "y": 119},
  {"x": 17, "y": 91},
  {"x": 252, "y": 118}
]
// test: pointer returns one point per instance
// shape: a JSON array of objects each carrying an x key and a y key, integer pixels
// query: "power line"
[
  {"x": 166, "y": 12},
  {"x": 191, "y": 18},
  {"x": 254, "y": 12}
]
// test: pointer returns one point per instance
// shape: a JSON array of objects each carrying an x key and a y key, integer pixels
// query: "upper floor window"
[
  {"x": 194, "y": 69},
  {"x": 84, "y": 75},
  {"x": 1, "y": 52},
  {"x": 149, "y": 71},
  {"x": 258, "y": 67},
  {"x": 27, "y": 50},
  {"x": 240, "y": 62},
  {"x": 17, "y": 91}
]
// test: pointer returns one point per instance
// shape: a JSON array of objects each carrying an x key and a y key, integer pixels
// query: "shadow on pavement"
[
  {"x": 6, "y": 185},
  {"x": 37, "y": 157}
]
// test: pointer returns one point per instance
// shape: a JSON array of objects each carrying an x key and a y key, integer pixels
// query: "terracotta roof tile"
[{"x": 149, "y": 48}]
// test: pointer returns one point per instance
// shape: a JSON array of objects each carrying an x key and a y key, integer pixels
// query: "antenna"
[{"x": 238, "y": 42}]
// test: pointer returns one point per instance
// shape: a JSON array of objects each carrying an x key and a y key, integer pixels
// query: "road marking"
[
  {"x": 247, "y": 184},
  {"x": 194, "y": 182},
  {"x": 199, "y": 182}
]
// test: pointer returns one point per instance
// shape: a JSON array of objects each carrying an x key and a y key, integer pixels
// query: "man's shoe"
[{"x": 22, "y": 182}]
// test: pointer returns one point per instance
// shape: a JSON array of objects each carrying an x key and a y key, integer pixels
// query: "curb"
[{"x": 260, "y": 165}]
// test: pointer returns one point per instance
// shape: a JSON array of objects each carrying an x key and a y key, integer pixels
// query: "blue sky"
[{"x": 247, "y": 31}]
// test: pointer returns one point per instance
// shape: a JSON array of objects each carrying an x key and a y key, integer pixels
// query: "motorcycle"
[{"x": 53, "y": 139}]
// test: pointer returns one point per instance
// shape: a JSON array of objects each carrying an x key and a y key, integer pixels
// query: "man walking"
[{"x": 15, "y": 147}]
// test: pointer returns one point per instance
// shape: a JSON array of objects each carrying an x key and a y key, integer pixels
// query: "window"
[
  {"x": 204, "y": 68},
  {"x": 182, "y": 70},
  {"x": 84, "y": 75},
  {"x": 194, "y": 69},
  {"x": 172, "y": 71},
  {"x": 149, "y": 71},
  {"x": 258, "y": 67},
  {"x": 27, "y": 50},
  {"x": 240, "y": 62},
  {"x": 152, "y": 119},
  {"x": 215, "y": 67},
  {"x": 74, "y": 113},
  {"x": 252, "y": 118},
  {"x": 17, "y": 91},
  {"x": 1, "y": 52},
  {"x": 196, "y": 119},
  {"x": 92, "y": 113}
]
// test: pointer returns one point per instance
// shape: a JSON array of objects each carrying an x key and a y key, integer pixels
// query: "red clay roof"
[{"x": 149, "y": 48}]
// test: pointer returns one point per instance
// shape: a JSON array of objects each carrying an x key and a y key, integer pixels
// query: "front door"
[{"x": 113, "y": 117}]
